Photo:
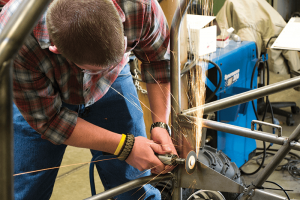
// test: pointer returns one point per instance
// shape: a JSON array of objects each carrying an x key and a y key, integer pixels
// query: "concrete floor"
[{"x": 73, "y": 181}]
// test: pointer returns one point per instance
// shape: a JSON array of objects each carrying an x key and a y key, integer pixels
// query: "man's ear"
[{"x": 53, "y": 49}]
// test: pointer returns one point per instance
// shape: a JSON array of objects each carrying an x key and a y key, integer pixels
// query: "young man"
[{"x": 72, "y": 86}]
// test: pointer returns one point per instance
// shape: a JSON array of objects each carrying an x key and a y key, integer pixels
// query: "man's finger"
[
  {"x": 166, "y": 148},
  {"x": 157, "y": 148}
]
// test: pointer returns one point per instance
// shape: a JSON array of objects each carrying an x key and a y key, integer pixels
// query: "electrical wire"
[
  {"x": 266, "y": 188},
  {"x": 275, "y": 36},
  {"x": 268, "y": 106},
  {"x": 219, "y": 83},
  {"x": 91, "y": 173},
  {"x": 256, "y": 114},
  {"x": 280, "y": 188}
]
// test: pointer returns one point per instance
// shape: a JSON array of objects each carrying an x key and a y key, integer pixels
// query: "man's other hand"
[{"x": 162, "y": 137}]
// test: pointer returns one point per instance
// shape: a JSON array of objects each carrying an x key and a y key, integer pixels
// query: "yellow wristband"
[{"x": 120, "y": 145}]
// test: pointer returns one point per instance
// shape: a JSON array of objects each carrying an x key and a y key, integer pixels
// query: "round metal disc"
[{"x": 190, "y": 162}]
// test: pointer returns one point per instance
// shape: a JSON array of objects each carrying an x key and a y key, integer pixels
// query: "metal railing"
[
  {"x": 21, "y": 24},
  {"x": 12, "y": 37}
]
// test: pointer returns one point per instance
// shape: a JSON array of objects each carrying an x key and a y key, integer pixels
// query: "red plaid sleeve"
[
  {"x": 153, "y": 47},
  {"x": 36, "y": 96}
]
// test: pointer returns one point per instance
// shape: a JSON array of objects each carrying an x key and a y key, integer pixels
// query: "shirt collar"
[{"x": 41, "y": 33}]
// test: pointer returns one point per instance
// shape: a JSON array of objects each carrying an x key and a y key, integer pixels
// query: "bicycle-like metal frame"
[{"x": 12, "y": 38}]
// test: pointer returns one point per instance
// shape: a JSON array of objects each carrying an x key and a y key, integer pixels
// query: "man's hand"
[
  {"x": 143, "y": 156},
  {"x": 162, "y": 137}
]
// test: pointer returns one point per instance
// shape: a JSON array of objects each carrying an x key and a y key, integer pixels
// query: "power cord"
[
  {"x": 268, "y": 104},
  {"x": 280, "y": 188},
  {"x": 260, "y": 128}
]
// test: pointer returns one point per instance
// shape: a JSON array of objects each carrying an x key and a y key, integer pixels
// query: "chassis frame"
[{"x": 13, "y": 36}]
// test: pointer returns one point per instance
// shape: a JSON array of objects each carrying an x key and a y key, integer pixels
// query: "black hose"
[
  {"x": 280, "y": 188},
  {"x": 291, "y": 153},
  {"x": 219, "y": 83},
  {"x": 275, "y": 36},
  {"x": 268, "y": 105},
  {"x": 251, "y": 84},
  {"x": 260, "y": 166}
]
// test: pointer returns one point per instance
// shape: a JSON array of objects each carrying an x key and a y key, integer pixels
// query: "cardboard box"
[
  {"x": 222, "y": 42},
  {"x": 201, "y": 40}
]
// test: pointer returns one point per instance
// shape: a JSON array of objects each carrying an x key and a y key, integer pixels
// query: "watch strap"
[{"x": 161, "y": 125}]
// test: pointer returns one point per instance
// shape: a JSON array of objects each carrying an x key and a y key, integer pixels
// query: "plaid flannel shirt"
[{"x": 43, "y": 80}]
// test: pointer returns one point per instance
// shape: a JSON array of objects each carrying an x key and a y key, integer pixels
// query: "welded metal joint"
[{"x": 293, "y": 143}]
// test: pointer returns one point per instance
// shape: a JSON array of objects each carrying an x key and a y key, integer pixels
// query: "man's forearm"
[
  {"x": 87, "y": 135},
  {"x": 159, "y": 98}
]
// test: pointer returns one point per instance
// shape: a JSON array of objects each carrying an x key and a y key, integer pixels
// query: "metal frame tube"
[
  {"x": 236, "y": 130},
  {"x": 12, "y": 37},
  {"x": 279, "y": 156},
  {"x": 129, "y": 186},
  {"x": 6, "y": 133},
  {"x": 176, "y": 83},
  {"x": 271, "y": 166},
  {"x": 22, "y": 22},
  {"x": 19, "y": 26},
  {"x": 246, "y": 96},
  {"x": 175, "y": 64}
]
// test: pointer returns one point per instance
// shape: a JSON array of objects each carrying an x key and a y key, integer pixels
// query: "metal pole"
[
  {"x": 12, "y": 37},
  {"x": 185, "y": 121},
  {"x": 269, "y": 169},
  {"x": 6, "y": 133},
  {"x": 281, "y": 153},
  {"x": 175, "y": 63},
  {"x": 228, "y": 128},
  {"x": 129, "y": 186},
  {"x": 246, "y": 96},
  {"x": 19, "y": 26},
  {"x": 175, "y": 84}
]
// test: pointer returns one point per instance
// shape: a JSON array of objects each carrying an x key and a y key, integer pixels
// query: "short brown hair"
[{"x": 87, "y": 32}]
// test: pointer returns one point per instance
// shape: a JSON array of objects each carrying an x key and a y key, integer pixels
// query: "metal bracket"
[
  {"x": 205, "y": 178},
  {"x": 266, "y": 124}
]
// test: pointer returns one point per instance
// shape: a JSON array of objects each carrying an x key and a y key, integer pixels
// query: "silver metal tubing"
[
  {"x": 295, "y": 145},
  {"x": 246, "y": 96},
  {"x": 11, "y": 38},
  {"x": 175, "y": 82},
  {"x": 258, "y": 135},
  {"x": 267, "y": 124},
  {"x": 279, "y": 156},
  {"x": 6, "y": 133},
  {"x": 175, "y": 62},
  {"x": 19, "y": 26},
  {"x": 129, "y": 186},
  {"x": 263, "y": 195}
]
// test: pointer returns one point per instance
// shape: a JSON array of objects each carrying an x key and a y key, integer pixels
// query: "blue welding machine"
[{"x": 237, "y": 61}]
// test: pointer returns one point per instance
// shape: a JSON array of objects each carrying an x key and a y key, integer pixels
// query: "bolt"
[{"x": 192, "y": 161}]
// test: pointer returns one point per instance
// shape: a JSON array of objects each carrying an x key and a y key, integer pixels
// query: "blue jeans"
[{"x": 112, "y": 112}]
